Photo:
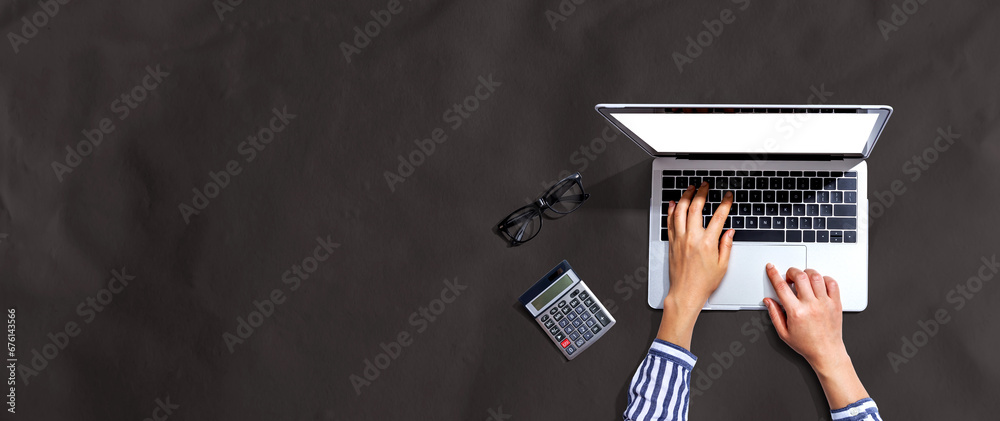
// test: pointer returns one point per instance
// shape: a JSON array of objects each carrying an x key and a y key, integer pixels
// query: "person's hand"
[
  {"x": 812, "y": 324},
  {"x": 698, "y": 258},
  {"x": 812, "y": 320}
]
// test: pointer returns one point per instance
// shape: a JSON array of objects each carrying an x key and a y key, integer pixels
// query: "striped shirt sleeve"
[
  {"x": 863, "y": 410},
  {"x": 661, "y": 386}
]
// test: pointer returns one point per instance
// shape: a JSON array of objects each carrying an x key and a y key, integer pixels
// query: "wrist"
[
  {"x": 677, "y": 325},
  {"x": 834, "y": 363}
]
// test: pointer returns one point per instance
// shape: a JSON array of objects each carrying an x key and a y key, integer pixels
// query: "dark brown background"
[{"x": 324, "y": 175}]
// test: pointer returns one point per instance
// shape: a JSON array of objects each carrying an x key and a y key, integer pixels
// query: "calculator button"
[
  {"x": 555, "y": 310},
  {"x": 595, "y": 308},
  {"x": 554, "y": 330},
  {"x": 603, "y": 318},
  {"x": 570, "y": 329},
  {"x": 545, "y": 317},
  {"x": 571, "y": 315},
  {"x": 577, "y": 322},
  {"x": 579, "y": 342},
  {"x": 562, "y": 303},
  {"x": 587, "y": 335},
  {"x": 550, "y": 323},
  {"x": 566, "y": 310},
  {"x": 580, "y": 309},
  {"x": 586, "y": 316},
  {"x": 595, "y": 329},
  {"x": 588, "y": 302},
  {"x": 574, "y": 293},
  {"x": 574, "y": 336},
  {"x": 574, "y": 303},
  {"x": 570, "y": 350},
  {"x": 563, "y": 323},
  {"x": 565, "y": 343},
  {"x": 591, "y": 322},
  {"x": 584, "y": 295},
  {"x": 558, "y": 316}
]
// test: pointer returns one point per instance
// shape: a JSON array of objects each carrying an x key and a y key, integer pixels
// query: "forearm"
[
  {"x": 677, "y": 324},
  {"x": 840, "y": 381}
]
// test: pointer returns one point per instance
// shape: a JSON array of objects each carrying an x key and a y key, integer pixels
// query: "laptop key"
[
  {"x": 759, "y": 235},
  {"x": 809, "y": 236},
  {"x": 681, "y": 182},
  {"x": 792, "y": 223},
  {"x": 722, "y": 183},
  {"x": 795, "y": 196},
  {"x": 816, "y": 183},
  {"x": 714, "y": 196},
  {"x": 850, "y": 197},
  {"x": 819, "y": 223},
  {"x": 778, "y": 223},
  {"x": 768, "y": 196},
  {"x": 784, "y": 209},
  {"x": 850, "y": 236},
  {"x": 809, "y": 196},
  {"x": 836, "y": 197},
  {"x": 851, "y": 174},
  {"x": 845, "y": 210},
  {"x": 788, "y": 183},
  {"x": 764, "y": 223},
  {"x": 825, "y": 210},
  {"x": 738, "y": 222},
  {"x": 798, "y": 210},
  {"x": 755, "y": 196},
  {"x": 775, "y": 184},
  {"x": 842, "y": 223},
  {"x": 805, "y": 223},
  {"x": 829, "y": 184},
  {"x": 745, "y": 209},
  {"x": 694, "y": 181},
  {"x": 793, "y": 236},
  {"x": 742, "y": 173},
  {"x": 762, "y": 182},
  {"x": 822, "y": 237},
  {"x": 770, "y": 209},
  {"x": 688, "y": 172},
  {"x": 847, "y": 184},
  {"x": 668, "y": 182},
  {"x": 751, "y": 222},
  {"x": 802, "y": 183},
  {"x": 836, "y": 236},
  {"x": 701, "y": 172},
  {"x": 669, "y": 195},
  {"x": 735, "y": 183},
  {"x": 748, "y": 182},
  {"x": 715, "y": 173},
  {"x": 728, "y": 173},
  {"x": 823, "y": 197},
  {"x": 812, "y": 210},
  {"x": 782, "y": 196},
  {"x": 742, "y": 196},
  {"x": 758, "y": 208}
]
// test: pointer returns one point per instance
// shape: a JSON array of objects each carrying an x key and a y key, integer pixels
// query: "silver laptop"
[{"x": 800, "y": 182}]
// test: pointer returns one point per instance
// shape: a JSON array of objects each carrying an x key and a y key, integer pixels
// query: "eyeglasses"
[{"x": 564, "y": 197}]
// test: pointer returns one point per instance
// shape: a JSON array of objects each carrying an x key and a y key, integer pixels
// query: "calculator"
[{"x": 567, "y": 310}]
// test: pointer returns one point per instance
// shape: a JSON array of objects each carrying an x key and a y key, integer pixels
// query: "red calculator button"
[{"x": 564, "y": 343}]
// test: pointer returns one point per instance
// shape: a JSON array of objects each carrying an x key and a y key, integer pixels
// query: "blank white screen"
[{"x": 826, "y": 133}]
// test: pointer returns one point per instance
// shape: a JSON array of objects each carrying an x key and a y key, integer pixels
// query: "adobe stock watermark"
[
  {"x": 627, "y": 287},
  {"x": 127, "y": 102},
  {"x": 163, "y": 410},
  {"x": 584, "y": 156},
  {"x": 564, "y": 10},
  {"x": 381, "y": 19},
  {"x": 497, "y": 414},
  {"x": 421, "y": 319},
  {"x": 39, "y": 20},
  {"x": 454, "y": 117},
  {"x": 915, "y": 167},
  {"x": 219, "y": 180},
  {"x": 900, "y": 15},
  {"x": 87, "y": 310},
  {"x": 264, "y": 309},
  {"x": 958, "y": 297},
  {"x": 713, "y": 30}
]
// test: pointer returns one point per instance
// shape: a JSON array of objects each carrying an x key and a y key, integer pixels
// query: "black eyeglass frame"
[{"x": 545, "y": 202}]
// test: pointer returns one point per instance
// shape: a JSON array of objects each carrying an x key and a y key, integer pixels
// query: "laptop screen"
[{"x": 833, "y": 131}]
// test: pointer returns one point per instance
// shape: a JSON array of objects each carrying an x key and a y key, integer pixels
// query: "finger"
[
  {"x": 670, "y": 220},
  {"x": 777, "y": 318},
  {"x": 801, "y": 280},
  {"x": 694, "y": 219},
  {"x": 719, "y": 219},
  {"x": 781, "y": 287},
  {"x": 817, "y": 283},
  {"x": 680, "y": 212},
  {"x": 832, "y": 288},
  {"x": 725, "y": 247}
]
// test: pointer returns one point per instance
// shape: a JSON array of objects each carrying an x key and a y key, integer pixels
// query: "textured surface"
[{"x": 323, "y": 175}]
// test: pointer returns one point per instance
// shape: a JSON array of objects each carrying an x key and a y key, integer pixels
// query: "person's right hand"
[{"x": 812, "y": 320}]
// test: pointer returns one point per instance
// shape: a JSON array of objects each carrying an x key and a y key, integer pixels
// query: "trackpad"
[{"x": 746, "y": 280}]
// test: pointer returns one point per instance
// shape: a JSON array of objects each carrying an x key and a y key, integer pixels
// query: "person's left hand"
[{"x": 698, "y": 258}]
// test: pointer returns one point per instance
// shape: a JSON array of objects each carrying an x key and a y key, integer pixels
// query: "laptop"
[{"x": 800, "y": 185}]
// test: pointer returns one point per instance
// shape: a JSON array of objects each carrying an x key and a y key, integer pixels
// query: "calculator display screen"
[{"x": 552, "y": 292}]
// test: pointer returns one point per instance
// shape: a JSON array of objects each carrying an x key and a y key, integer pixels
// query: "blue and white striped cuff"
[
  {"x": 855, "y": 411},
  {"x": 664, "y": 349}
]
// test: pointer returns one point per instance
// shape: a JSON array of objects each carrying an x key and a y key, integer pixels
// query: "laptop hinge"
[{"x": 764, "y": 157}]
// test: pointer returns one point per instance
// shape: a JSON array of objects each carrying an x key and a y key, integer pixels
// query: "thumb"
[
  {"x": 726, "y": 246},
  {"x": 777, "y": 318}
]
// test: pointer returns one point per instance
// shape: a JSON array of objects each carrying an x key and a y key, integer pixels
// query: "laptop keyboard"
[{"x": 775, "y": 206}]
